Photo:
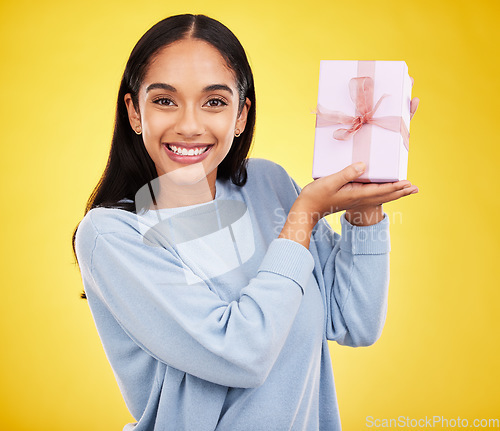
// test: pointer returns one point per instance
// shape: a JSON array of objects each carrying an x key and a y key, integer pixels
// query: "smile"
[
  {"x": 183, "y": 151},
  {"x": 180, "y": 153}
]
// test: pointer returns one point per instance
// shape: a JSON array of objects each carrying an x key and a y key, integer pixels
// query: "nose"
[{"x": 188, "y": 122}]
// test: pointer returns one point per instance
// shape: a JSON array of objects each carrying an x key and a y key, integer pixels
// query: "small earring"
[
  {"x": 237, "y": 133},
  {"x": 138, "y": 130}
]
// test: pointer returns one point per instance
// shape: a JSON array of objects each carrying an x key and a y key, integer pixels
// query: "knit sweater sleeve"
[
  {"x": 353, "y": 273},
  {"x": 187, "y": 326}
]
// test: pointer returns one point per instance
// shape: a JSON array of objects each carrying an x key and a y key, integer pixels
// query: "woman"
[{"x": 213, "y": 280}]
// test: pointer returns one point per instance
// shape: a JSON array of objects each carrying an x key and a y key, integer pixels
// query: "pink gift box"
[{"x": 363, "y": 115}]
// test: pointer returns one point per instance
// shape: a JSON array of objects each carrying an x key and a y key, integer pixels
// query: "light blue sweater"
[{"x": 212, "y": 323}]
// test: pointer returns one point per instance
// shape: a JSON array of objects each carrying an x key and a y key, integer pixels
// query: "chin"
[{"x": 188, "y": 175}]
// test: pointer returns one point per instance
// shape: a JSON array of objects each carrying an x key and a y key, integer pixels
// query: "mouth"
[
  {"x": 184, "y": 151},
  {"x": 187, "y": 154}
]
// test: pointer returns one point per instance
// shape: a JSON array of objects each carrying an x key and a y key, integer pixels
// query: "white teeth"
[{"x": 185, "y": 152}]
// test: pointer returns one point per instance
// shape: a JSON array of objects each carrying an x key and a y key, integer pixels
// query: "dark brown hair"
[{"x": 129, "y": 166}]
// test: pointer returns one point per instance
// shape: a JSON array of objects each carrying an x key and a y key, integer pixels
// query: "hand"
[{"x": 335, "y": 193}]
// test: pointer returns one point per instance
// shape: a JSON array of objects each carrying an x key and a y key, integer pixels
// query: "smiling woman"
[
  {"x": 215, "y": 314},
  {"x": 129, "y": 165}
]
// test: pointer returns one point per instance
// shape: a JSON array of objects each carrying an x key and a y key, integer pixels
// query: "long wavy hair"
[{"x": 129, "y": 166}]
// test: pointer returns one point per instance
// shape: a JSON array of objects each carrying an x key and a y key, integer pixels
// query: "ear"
[
  {"x": 133, "y": 116},
  {"x": 242, "y": 118}
]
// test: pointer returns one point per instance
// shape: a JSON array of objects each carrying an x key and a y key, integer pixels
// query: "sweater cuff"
[
  {"x": 374, "y": 239},
  {"x": 289, "y": 259}
]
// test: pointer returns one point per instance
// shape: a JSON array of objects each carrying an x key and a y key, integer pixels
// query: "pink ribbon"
[{"x": 361, "y": 92}]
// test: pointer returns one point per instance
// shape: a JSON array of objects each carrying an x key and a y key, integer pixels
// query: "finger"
[
  {"x": 398, "y": 194},
  {"x": 350, "y": 173},
  {"x": 401, "y": 193},
  {"x": 376, "y": 194},
  {"x": 413, "y": 106},
  {"x": 400, "y": 188},
  {"x": 375, "y": 190}
]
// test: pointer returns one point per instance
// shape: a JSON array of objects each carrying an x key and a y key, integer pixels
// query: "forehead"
[{"x": 189, "y": 62}]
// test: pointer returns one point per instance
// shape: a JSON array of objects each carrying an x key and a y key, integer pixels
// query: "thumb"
[{"x": 352, "y": 172}]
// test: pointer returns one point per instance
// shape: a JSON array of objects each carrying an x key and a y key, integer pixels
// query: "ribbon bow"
[{"x": 361, "y": 92}]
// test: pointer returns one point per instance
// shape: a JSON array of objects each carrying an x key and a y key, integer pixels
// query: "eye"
[
  {"x": 164, "y": 101},
  {"x": 216, "y": 102}
]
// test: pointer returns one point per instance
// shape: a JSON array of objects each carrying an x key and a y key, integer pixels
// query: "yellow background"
[{"x": 61, "y": 63}]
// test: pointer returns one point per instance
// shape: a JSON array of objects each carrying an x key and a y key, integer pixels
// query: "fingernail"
[
  {"x": 359, "y": 166},
  {"x": 414, "y": 191}
]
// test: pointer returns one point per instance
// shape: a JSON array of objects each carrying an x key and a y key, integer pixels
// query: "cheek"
[
  {"x": 154, "y": 125},
  {"x": 224, "y": 128}
]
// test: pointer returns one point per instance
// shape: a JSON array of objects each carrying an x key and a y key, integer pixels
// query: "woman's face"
[{"x": 188, "y": 111}]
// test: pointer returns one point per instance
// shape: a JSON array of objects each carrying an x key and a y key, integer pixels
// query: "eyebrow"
[
  {"x": 168, "y": 87},
  {"x": 161, "y": 86},
  {"x": 215, "y": 87}
]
